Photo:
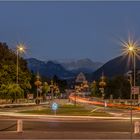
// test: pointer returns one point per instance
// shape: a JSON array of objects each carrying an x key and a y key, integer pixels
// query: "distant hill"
[
  {"x": 48, "y": 69},
  {"x": 117, "y": 66},
  {"x": 82, "y": 65}
]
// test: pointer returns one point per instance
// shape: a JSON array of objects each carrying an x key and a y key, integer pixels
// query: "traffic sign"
[
  {"x": 135, "y": 90},
  {"x": 54, "y": 106},
  {"x": 30, "y": 96}
]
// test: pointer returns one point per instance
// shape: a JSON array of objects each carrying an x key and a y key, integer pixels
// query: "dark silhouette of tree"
[
  {"x": 62, "y": 84},
  {"x": 119, "y": 87},
  {"x": 8, "y": 68}
]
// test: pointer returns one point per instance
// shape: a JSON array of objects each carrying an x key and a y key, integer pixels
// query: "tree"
[
  {"x": 33, "y": 86},
  {"x": 56, "y": 91},
  {"x": 11, "y": 91},
  {"x": 8, "y": 69},
  {"x": 45, "y": 90},
  {"x": 62, "y": 84},
  {"x": 93, "y": 88},
  {"x": 3, "y": 92},
  {"x": 119, "y": 87}
]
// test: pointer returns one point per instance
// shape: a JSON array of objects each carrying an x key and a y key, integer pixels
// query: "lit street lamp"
[
  {"x": 102, "y": 84},
  {"x": 20, "y": 49},
  {"x": 131, "y": 48}
]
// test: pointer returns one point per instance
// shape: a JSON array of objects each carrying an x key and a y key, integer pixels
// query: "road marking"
[{"x": 95, "y": 109}]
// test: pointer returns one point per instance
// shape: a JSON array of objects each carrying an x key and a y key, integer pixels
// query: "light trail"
[{"x": 86, "y": 100}]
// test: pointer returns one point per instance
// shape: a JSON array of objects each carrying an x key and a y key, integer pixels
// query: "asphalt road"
[
  {"x": 94, "y": 125},
  {"x": 64, "y": 129},
  {"x": 43, "y": 127}
]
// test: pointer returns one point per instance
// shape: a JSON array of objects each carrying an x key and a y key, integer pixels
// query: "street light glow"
[
  {"x": 21, "y": 48},
  {"x": 130, "y": 47}
]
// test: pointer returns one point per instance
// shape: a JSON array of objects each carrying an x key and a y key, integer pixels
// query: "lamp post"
[
  {"x": 102, "y": 84},
  {"x": 131, "y": 48},
  {"x": 20, "y": 49},
  {"x": 52, "y": 90},
  {"x": 38, "y": 84},
  {"x": 76, "y": 91},
  {"x": 131, "y": 119}
]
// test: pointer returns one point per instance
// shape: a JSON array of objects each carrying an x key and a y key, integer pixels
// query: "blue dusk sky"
[{"x": 69, "y": 30}]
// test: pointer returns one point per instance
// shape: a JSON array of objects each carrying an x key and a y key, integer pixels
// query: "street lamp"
[
  {"x": 102, "y": 84},
  {"x": 77, "y": 89},
  {"x": 37, "y": 83},
  {"x": 131, "y": 48},
  {"x": 20, "y": 49},
  {"x": 51, "y": 88}
]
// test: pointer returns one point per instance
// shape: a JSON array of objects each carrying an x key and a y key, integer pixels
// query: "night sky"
[{"x": 69, "y": 30}]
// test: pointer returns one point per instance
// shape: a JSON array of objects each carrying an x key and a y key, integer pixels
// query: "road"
[
  {"x": 63, "y": 129},
  {"x": 66, "y": 127}
]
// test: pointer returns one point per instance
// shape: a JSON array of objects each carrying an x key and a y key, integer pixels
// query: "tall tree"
[
  {"x": 8, "y": 69},
  {"x": 119, "y": 87}
]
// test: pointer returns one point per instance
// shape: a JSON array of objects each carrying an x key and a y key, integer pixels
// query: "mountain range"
[
  {"x": 63, "y": 69},
  {"x": 82, "y": 65},
  {"x": 48, "y": 69},
  {"x": 115, "y": 67},
  {"x": 93, "y": 70}
]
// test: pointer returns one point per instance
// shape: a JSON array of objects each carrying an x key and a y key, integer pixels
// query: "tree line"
[
  {"x": 8, "y": 87},
  {"x": 117, "y": 87}
]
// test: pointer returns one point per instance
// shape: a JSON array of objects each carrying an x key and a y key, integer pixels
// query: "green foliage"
[
  {"x": 45, "y": 88},
  {"x": 119, "y": 87},
  {"x": 8, "y": 70},
  {"x": 62, "y": 84},
  {"x": 11, "y": 91},
  {"x": 93, "y": 89}
]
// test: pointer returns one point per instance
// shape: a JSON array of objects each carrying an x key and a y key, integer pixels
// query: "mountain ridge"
[
  {"x": 47, "y": 69},
  {"x": 82, "y": 65},
  {"x": 117, "y": 66},
  {"x": 50, "y": 68}
]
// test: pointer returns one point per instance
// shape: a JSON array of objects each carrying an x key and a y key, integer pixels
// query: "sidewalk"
[
  {"x": 66, "y": 135},
  {"x": 21, "y": 104}
]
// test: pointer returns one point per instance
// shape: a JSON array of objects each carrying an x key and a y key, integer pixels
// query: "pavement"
[
  {"x": 21, "y": 104},
  {"x": 66, "y": 135}
]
